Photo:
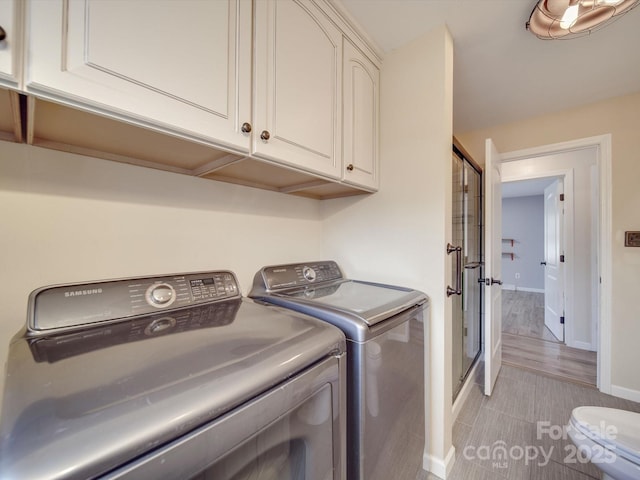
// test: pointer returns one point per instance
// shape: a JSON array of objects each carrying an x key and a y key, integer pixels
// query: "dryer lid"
[
  {"x": 612, "y": 428},
  {"x": 89, "y": 400}
]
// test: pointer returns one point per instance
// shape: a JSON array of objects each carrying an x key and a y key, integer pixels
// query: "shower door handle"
[{"x": 458, "y": 289}]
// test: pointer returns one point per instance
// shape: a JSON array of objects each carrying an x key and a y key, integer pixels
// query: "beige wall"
[
  {"x": 399, "y": 234},
  {"x": 621, "y": 117},
  {"x": 67, "y": 218}
]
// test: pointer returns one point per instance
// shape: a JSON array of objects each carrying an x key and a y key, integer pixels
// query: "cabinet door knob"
[
  {"x": 265, "y": 135},
  {"x": 246, "y": 127},
  {"x": 3, "y": 34},
  {"x": 350, "y": 167}
]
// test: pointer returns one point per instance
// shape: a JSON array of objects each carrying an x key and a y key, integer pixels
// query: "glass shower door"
[{"x": 467, "y": 230}]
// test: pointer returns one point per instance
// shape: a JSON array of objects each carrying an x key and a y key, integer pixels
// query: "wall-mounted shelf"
[{"x": 512, "y": 242}]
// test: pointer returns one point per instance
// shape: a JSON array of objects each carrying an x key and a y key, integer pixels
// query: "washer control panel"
[
  {"x": 300, "y": 274},
  {"x": 66, "y": 307}
]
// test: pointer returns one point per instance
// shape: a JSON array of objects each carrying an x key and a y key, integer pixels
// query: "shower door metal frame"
[{"x": 465, "y": 158}]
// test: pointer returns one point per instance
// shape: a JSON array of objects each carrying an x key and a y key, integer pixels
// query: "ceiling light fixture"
[{"x": 563, "y": 19}]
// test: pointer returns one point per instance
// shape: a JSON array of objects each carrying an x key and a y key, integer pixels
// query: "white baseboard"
[
  {"x": 628, "y": 393},
  {"x": 509, "y": 286},
  {"x": 464, "y": 392},
  {"x": 582, "y": 346},
  {"x": 528, "y": 289},
  {"x": 439, "y": 467}
]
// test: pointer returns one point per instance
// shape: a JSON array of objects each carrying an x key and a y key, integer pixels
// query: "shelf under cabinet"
[{"x": 59, "y": 127}]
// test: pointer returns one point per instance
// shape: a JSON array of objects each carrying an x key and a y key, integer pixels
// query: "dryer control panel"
[
  {"x": 66, "y": 307},
  {"x": 300, "y": 274}
]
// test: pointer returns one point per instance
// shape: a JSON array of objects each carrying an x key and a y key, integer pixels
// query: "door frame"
[{"x": 602, "y": 143}]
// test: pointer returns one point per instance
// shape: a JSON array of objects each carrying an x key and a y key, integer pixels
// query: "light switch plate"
[{"x": 632, "y": 239}]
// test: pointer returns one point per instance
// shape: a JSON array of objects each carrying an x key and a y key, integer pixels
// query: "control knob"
[{"x": 160, "y": 295}]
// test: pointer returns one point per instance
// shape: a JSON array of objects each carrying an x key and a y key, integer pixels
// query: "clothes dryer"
[{"x": 172, "y": 377}]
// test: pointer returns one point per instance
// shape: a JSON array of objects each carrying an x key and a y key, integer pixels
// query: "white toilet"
[{"x": 609, "y": 438}]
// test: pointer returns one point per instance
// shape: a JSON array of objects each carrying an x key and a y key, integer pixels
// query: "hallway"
[{"x": 528, "y": 344}]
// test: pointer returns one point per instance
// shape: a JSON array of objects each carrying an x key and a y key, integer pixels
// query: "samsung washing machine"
[{"x": 385, "y": 330}]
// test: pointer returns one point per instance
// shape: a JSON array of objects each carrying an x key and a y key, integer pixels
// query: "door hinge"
[
  {"x": 562, "y": 320},
  {"x": 561, "y": 258},
  {"x": 562, "y": 197}
]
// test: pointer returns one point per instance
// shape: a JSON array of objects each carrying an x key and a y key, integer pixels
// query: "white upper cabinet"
[
  {"x": 298, "y": 76},
  {"x": 180, "y": 65},
  {"x": 269, "y": 81},
  {"x": 11, "y": 43},
  {"x": 360, "y": 127}
]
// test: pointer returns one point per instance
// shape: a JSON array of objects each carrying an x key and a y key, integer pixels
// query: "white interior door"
[
  {"x": 553, "y": 271},
  {"x": 493, "y": 267}
]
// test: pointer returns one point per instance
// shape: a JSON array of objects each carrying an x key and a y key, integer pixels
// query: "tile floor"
[{"x": 522, "y": 416}]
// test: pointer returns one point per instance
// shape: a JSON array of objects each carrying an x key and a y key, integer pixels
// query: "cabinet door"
[
  {"x": 10, "y": 47},
  {"x": 298, "y": 69},
  {"x": 361, "y": 112},
  {"x": 180, "y": 66}
]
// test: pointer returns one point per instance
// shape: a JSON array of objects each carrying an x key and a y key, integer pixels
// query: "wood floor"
[
  {"x": 551, "y": 358},
  {"x": 523, "y": 314},
  {"x": 528, "y": 344}
]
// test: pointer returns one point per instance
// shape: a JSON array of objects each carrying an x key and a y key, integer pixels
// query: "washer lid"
[
  {"x": 372, "y": 302},
  {"x": 618, "y": 430},
  {"x": 77, "y": 404}
]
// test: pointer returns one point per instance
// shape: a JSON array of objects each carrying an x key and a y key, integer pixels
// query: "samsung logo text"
[{"x": 82, "y": 293}]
